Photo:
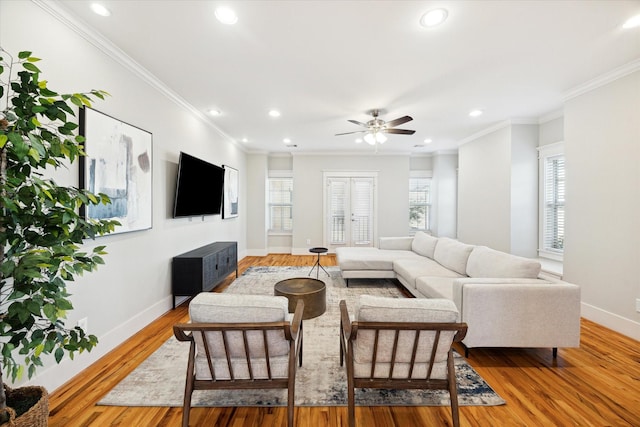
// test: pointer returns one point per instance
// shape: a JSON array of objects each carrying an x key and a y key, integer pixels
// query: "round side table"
[{"x": 317, "y": 265}]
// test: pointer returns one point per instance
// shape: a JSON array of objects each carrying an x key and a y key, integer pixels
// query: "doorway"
[{"x": 350, "y": 206}]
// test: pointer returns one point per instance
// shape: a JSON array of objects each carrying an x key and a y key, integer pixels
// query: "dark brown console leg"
[{"x": 555, "y": 352}]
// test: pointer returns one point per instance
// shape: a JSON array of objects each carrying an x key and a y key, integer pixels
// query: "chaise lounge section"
[{"x": 505, "y": 299}]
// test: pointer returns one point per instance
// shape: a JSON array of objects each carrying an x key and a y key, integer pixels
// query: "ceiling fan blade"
[
  {"x": 399, "y": 121},
  {"x": 349, "y": 133},
  {"x": 355, "y": 122},
  {"x": 399, "y": 131}
]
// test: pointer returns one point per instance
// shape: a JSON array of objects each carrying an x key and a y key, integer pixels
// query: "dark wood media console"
[{"x": 201, "y": 269}]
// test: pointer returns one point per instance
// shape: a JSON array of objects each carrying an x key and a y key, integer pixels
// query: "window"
[
  {"x": 419, "y": 203},
  {"x": 552, "y": 187},
  {"x": 280, "y": 202}
]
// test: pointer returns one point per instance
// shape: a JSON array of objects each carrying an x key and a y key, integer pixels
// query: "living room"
[{"x": 596, "y": 118}]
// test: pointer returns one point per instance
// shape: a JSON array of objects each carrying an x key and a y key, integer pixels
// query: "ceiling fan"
[{"x": 376, "y": 128}]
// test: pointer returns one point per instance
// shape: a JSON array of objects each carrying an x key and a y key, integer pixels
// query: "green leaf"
[
  {"x": 59, "y": 354},
  {"x": 3, "y": 140},
  {"x": 29, "y": 66},
  {"x": 24, "y": 54}
]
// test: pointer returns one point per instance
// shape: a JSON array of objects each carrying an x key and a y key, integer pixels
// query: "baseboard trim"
[
  {"x": 57, "y": 375},
  {"x": 612, "y": 321}
]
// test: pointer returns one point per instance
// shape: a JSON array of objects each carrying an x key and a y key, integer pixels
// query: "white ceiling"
[{"x": 323, "y": 62}]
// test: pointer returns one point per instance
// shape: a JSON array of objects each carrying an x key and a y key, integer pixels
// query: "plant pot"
[{"x": 28, "y": 407}]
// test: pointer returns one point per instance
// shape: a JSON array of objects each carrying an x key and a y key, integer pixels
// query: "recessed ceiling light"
[
  {"x": 475, "y": 113},
  {"x": 358, "y": 140},
  {"x": 632, "y": 22},
  {"x": 215, "y": 112},
  {"x": 245, "y": 140},
  {"x": 226, "y": 15},
  {"x": 274, "y": 113},
  {"x": 428, "y": 141},
  {"x": 99, "y": 9},
  {"x": 433, "y": 17},
  {"x": 286, "y": 141}
]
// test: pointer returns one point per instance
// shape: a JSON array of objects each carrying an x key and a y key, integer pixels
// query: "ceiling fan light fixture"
[
  {"x": 381, "y": 138},
  {"x": 433, "y": 18},
  {"x": 370, "y": 139}
]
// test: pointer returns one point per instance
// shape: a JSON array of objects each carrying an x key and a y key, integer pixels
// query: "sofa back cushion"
[
  {"x": 424, "y": 244},
  {"x": 487, "y": 262},
  {"x": 452, "y": 254}
]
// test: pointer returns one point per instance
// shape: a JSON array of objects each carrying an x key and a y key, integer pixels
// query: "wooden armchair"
[
  {"x": 241, "y": 342},
  {"x": 400, "y": 343}
]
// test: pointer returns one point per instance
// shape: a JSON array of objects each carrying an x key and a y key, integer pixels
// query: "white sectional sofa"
[{"x": 504, "y": 299}]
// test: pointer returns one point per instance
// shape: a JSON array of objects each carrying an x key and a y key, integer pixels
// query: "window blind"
[
  {"x": 554, "y": 194},
  {"x": 281, "y": 204},
  {"x": 419, "y": 203}
]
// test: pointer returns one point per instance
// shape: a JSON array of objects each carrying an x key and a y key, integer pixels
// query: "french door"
[{"x": 349, "y": 210}]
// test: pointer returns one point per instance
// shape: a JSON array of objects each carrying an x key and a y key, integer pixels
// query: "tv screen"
[{"x": 198, "y": 187}]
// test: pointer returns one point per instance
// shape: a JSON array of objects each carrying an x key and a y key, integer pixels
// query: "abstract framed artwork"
[
  {"x": 230, "y": 194},
  {"x": 118, "y": 163}
]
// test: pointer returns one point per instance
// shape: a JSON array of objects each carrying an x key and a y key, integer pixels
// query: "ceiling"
[{"x": 321, "y": 63}]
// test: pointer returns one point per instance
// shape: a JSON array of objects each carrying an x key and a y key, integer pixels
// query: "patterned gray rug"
[{"x": 321, "y": 381}]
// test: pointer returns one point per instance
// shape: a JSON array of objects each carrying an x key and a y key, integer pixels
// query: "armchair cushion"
[
  {"x": 416, "y": 310},
  {"x": 208, "y": 307}
]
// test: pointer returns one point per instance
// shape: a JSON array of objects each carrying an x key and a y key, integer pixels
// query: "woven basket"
[{"x": 37, "y": 415}]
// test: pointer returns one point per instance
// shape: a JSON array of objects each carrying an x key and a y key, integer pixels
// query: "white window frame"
[
  {"x": 429, "y": 204},
  {"x": 545, "y": 153},
  {"x": 278, "y": 174}
]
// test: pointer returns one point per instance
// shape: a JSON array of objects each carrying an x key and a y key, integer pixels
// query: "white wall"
[
  {"x": 256, "y": 204},
  {"x": 134, "y": 287},
  {"x": 602, "y": 236},
  {"x": 308, "y": 215},
  {"x": 497, "y": 190},
  {"x": 484, "y": 190},
  {"x": 445, "y": 194},
  {"x": 551, "y": 131},
  {"x": 524, "y": 190}
]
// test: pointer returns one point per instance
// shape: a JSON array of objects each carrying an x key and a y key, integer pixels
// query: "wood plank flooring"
[{"x": 597, "y": 384}]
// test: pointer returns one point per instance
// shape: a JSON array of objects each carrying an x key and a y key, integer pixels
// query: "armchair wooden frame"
[
  {"x": 348, "y": 334},
  {"x": 292, "y": 333}
]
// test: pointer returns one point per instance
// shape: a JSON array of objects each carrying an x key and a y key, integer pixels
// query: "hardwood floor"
[{"x": 597, "y": 384}]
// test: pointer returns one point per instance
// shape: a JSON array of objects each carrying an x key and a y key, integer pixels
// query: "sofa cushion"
[
  {"x": 487, "y": 262},
  {"x": 370, "y": 258},
  {"x": 424, "y": 244},
  {"x": 436, "y": 287},
  {"x": 452, "y": 254},
  {"x": 411, "y": 269}
]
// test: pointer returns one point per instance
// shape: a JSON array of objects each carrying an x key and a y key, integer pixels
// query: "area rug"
[{"x": 321, "y": 381}]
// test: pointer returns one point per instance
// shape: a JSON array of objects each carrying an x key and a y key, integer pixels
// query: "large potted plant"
[{"x": 41, "y": 231}]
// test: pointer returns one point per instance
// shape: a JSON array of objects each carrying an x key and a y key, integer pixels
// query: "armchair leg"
[{"x": 453, "y": 390}]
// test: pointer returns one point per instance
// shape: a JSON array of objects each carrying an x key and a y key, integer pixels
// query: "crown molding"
[
  {"x": 353, "y": 153},
  {"x": 553, "y": 115},
  {"x": 500, "y": 125},
  {"x": 602, "y": 80},
  {"x": 103, "y": 44}
]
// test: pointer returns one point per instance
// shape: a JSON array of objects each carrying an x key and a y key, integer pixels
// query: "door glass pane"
[{"x": 337, "y": 201}]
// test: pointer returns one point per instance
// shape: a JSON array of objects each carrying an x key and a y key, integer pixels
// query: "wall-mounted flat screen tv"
[{"x": 198, "y": 187}]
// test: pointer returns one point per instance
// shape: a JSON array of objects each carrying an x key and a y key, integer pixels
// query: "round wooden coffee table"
[{"x": 312, "y": 291}]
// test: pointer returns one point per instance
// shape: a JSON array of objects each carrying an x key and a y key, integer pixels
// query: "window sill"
[
  {"x": 552, "y": 266},
  {"x": 280, "y": 233}
]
